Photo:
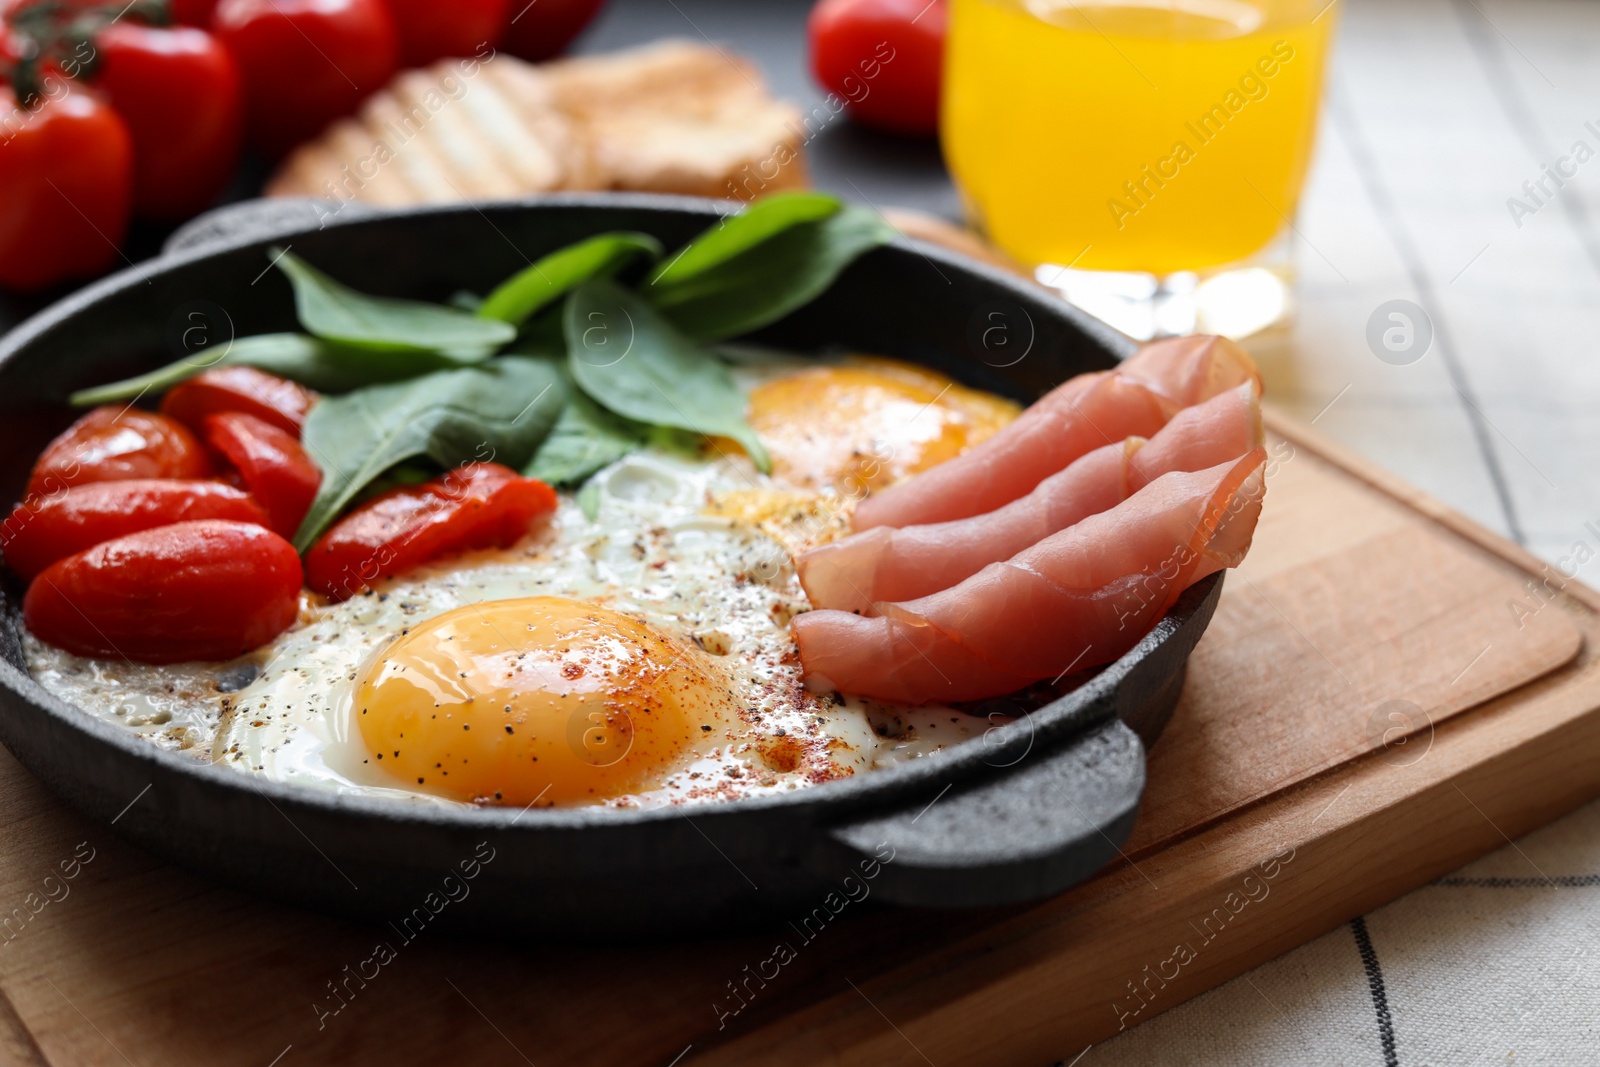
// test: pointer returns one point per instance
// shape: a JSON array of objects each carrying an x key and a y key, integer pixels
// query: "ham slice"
[
  {"x": 1076, "y": 599},
  {"x": 890, "y": 564},
  {"x": 1091, "y": 410}
]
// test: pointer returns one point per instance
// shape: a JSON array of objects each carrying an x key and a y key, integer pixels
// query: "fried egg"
[{"x": 633, "y": 650}]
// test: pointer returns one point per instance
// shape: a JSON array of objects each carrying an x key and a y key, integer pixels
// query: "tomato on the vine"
[
  {"x": 66, "y": 173},
  {"x": 884, "y": 58},
  {"x": 305, "y": 62},
  {"x": 192, "y": 12},
  {"x": 178, "y": 90},
  {"x": 540, "y": 29},
  {"x": 430, "y": 30}
]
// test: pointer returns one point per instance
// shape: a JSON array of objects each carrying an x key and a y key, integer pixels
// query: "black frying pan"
[{"x": 1020, "y": 813}]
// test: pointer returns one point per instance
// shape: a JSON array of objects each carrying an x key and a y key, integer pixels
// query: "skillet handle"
[{"x": 1045, "y": 824}]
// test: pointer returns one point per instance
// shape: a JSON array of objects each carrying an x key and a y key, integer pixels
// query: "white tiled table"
[{"x": 1439, "y": 110}]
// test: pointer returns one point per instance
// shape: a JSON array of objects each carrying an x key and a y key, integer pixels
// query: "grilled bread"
[{"x": 672, "y": 117}]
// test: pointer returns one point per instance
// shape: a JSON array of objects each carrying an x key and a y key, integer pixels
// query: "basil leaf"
[
  {"x": 632, "y": 362},
  {"x": 498, "y": 411},
  {"x": 552, "y": 277},
  {"x": 759, "y": 222},
  {"x": 767, "y": 281},
  {"x": 336, "y": 312},
  {"x": 322, "y": 365},
  {"x": 586, "y": 438}
]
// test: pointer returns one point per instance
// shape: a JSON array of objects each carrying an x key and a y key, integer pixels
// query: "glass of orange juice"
[{"x": 1162, "y": 139}]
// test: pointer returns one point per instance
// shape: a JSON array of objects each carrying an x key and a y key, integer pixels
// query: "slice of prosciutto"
[
  {"x": 889, "y": 564},
  {"x": 1077, "y": 599},
  {"x": 1134, "y": 400}
]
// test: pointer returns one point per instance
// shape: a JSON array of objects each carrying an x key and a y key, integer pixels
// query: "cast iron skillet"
[{"x": 1020, "y": 813}]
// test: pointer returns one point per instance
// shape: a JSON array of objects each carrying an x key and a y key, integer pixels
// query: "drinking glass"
[{"x": 1144, "y": 153}]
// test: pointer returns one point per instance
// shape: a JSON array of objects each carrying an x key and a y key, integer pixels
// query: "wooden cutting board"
[{"x": 1386, "y": 692}]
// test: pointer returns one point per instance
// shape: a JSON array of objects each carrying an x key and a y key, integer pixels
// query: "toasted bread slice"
[
  {"x": 459, "y": 130},
  {"x": 679, "y": 117},
  {"x": 672, "y": 117}
]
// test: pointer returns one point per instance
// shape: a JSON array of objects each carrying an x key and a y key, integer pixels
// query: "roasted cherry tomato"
[
  {"x": 269, "y": 398},
  {"x": 305, "y": 62},
  {"x": 480, "y": 505},
  {"x": 112, "y": 444},
  {"x": 66, "y": 176},
  {"x": 430, "y": 30},
  {"x": 45, "y": 529},
  {"x": 884, "y": 58},
  {"x": 207, "y": 590},
  {"x": 178, "y": 90},
  {"x": 544, "y": 28},
  {"x": 274, "y": 468}
]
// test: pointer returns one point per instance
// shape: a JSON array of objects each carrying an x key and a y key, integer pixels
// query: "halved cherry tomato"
[
  {"x": 540, "y": 29},
  {"x": 305, "y": 62},
  {"x": 66, "y": 176},
  {"x": 884, "y": 58},
  {"x": 178, "y": 90},
  {"x": 275, "y": 469},
  {"x": 430, "y": 30},
  {"x": 112, "y": 444},
  {"x": 208, "y": 590},
  {"x": 480, "y": 505},
  {"x": 45, "y": 529},
  {"x": 269, "y": 398}
]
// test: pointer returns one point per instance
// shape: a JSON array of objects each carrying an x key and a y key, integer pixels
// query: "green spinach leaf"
[
  {"x": 767, "y": 281},
  {"x": 759, "y": 222},
  {"x": 499, "y": 411},
  {"x": 335, "y": 312},
  {"x": 322, "y": 365},
  {"x": 545, "y": 282},
  {"x": 633, "y": 363},
  {"x": 586, "y": 438}
]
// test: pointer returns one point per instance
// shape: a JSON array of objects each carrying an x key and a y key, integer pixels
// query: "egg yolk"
[
  {"x": 536, "y": 700},
  {"x": 869, "y": 422}
]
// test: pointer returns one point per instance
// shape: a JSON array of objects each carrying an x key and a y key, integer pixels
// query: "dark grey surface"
[{"x": 1025, "y": 811}]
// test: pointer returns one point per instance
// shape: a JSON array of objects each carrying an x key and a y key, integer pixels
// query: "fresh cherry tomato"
[
  {"x": 884, "y": 58},
  {"x": 45, "y": 529},
  {"x": 112, "y": 444},
  {"x": 207, "y": 590},
  {"x": 191, "y": 12},
  {"x": 305, "y": 62},
  {"x": 480, "y": 505},
  {"x": 430, "y": 30},
  {"x": 178, "y": 90},
  {"x": 543, "y": 28},
  {"x": 66, "y": 177},
  {"x": 275, "y": 469},
  {"x": 266, "y": 396}
]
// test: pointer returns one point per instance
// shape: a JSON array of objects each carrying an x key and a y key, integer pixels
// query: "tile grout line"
[
  {"x": 1388, "y": 213},
  {"x": 1522, "y": 122}
]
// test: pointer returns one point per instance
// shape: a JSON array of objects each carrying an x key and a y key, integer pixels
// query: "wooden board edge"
[
  {"x": 1396, "y": 488},
  {"x": 1514, "y": 765}
]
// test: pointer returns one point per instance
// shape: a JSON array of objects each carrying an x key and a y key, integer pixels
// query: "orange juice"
[{"x": 1146, "y": 135}]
